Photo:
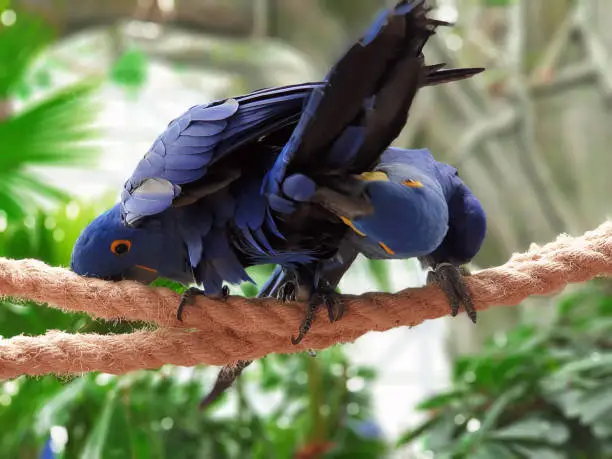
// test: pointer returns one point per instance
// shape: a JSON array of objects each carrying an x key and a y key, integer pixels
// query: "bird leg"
[
  {"x": 323, "y": 294},
  {"x": 298, "y": 286},
  {"x": 229, "y": 373},
  {"x": 287, "y": 291},
  {"x": 189, "y": 295},
  {"x": 449, "y": 278}
]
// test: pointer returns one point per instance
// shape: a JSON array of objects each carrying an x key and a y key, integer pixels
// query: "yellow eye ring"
[{"x": 121, "y": 246}]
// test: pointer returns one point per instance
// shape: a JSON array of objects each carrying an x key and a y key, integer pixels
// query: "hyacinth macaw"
[{"x": 413, "y": 193}]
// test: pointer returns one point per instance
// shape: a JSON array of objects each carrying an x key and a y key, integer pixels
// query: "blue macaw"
[
  {"x": 422, "y": 210},
  {"x": 269, "y": 177}
]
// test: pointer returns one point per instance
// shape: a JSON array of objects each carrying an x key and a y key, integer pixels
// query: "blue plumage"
[
  {"x": 422, "y": 209},
  {"x": 201, "y": 136}
]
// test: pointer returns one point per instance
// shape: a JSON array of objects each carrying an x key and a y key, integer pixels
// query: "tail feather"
[
  {"x": 358, "y": 76},
  {"x": 436, "y": 75}
]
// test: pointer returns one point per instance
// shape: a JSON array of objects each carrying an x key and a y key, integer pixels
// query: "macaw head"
[
  {"x": 107, "y": 249},
  {"x": 467, "y": 219},
  {"x": 410, "y": 216}
]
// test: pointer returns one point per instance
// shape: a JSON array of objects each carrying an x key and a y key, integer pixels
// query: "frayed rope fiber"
[{"x": 219, "y": 333}]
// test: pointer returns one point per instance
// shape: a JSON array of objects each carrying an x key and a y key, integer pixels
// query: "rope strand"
[{"x": 221, "y": 332}]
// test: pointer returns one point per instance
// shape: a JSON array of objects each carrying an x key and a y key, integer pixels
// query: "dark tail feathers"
[{"x": 435, "y": 74}]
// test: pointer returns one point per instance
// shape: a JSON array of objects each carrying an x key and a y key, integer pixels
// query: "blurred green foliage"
[
  {"x": 20, "y": 43},
  {"x": 537, "y": 392},
  {"x": 497, "y": 2},
  {"x": 50, "y": 131},
  {"x": 130, "y": 69}
]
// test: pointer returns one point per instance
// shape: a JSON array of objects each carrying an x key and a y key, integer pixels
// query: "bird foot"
[
  {"x": 324, "y": 294},
  {"x": 226, "y": 377},
  {"x": 449, "y": 278},
  {"x": 287, "y": 292},
  {"x": 189, "y": 295}
]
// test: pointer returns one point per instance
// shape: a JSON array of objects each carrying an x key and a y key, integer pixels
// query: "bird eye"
[{"x": 121, "y": 246}]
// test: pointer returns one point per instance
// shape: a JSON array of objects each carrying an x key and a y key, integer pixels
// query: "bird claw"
[
  {"x": 287, "y": 292},
  {"x": 449, "y": 278},
  {"x": 323, "y": 295},
  {"x": 189, "y": 295}
]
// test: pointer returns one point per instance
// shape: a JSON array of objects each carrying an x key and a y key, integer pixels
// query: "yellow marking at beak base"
[
  {"x": 412, "y": 183},
  {"x": 386, "y": 248},
  {"x": 146, "y": 268},
  {"x": 375, "y": 176},
  {"x": 350, "y": 224}
]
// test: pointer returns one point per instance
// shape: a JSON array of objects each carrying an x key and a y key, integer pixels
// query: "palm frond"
[{"x": 52, "y": 132}]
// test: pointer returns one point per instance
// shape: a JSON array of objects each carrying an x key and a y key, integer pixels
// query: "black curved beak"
[
  {"x": 115, "y": 278},
  {"x": 138, "y": 273},
  {"x": 142, "y": 274}
]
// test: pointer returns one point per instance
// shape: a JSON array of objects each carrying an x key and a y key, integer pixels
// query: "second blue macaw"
[{"x": 422, "y": 210}]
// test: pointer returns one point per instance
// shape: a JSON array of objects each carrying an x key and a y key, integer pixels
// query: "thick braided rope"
[{"x": 218, "y": 333}]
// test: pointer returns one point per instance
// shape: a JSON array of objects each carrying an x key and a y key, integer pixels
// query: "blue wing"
[{"x": 188, "y": 150}]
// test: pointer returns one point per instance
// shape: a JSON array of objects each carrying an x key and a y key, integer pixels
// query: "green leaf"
[
  {"x": 469, "y": 439},
  {"x": 248, "y": 290},
  {"x": 603, "y": 431},
  {"x": 20, "y": 44},
  {"x": 123, "y": 438},
  {"x": 130, "y": 69},
  {"x": 493, "y": 3},
  {"x": 499, "y": 405},
  {"x": 94, "y": 447},
  {"x": 533, "y": 429},
  {"x": 442, "y": 435},
  {"x": 596, "y": 404},
  {"x": 379, "y": 270},
  {"x": 539, "y": 452},
  {"x": 57, "y": 410},
  {"x": 441, "y": 400},
  {"x": 411, "y": 435},
  {"x": 490, "y": 450},
  {"x": 602, "y": 361},
  {"x": 175, "y": 286},
  {"x": 49, "y": 133}
]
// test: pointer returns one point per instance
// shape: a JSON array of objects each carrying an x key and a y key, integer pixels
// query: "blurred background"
[{"x": 86, "y": 86}]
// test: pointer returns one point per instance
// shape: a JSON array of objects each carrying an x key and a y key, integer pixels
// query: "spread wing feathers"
[
  {"x": 369, "y": 89},
  {"x": 186, "y": 152}
]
